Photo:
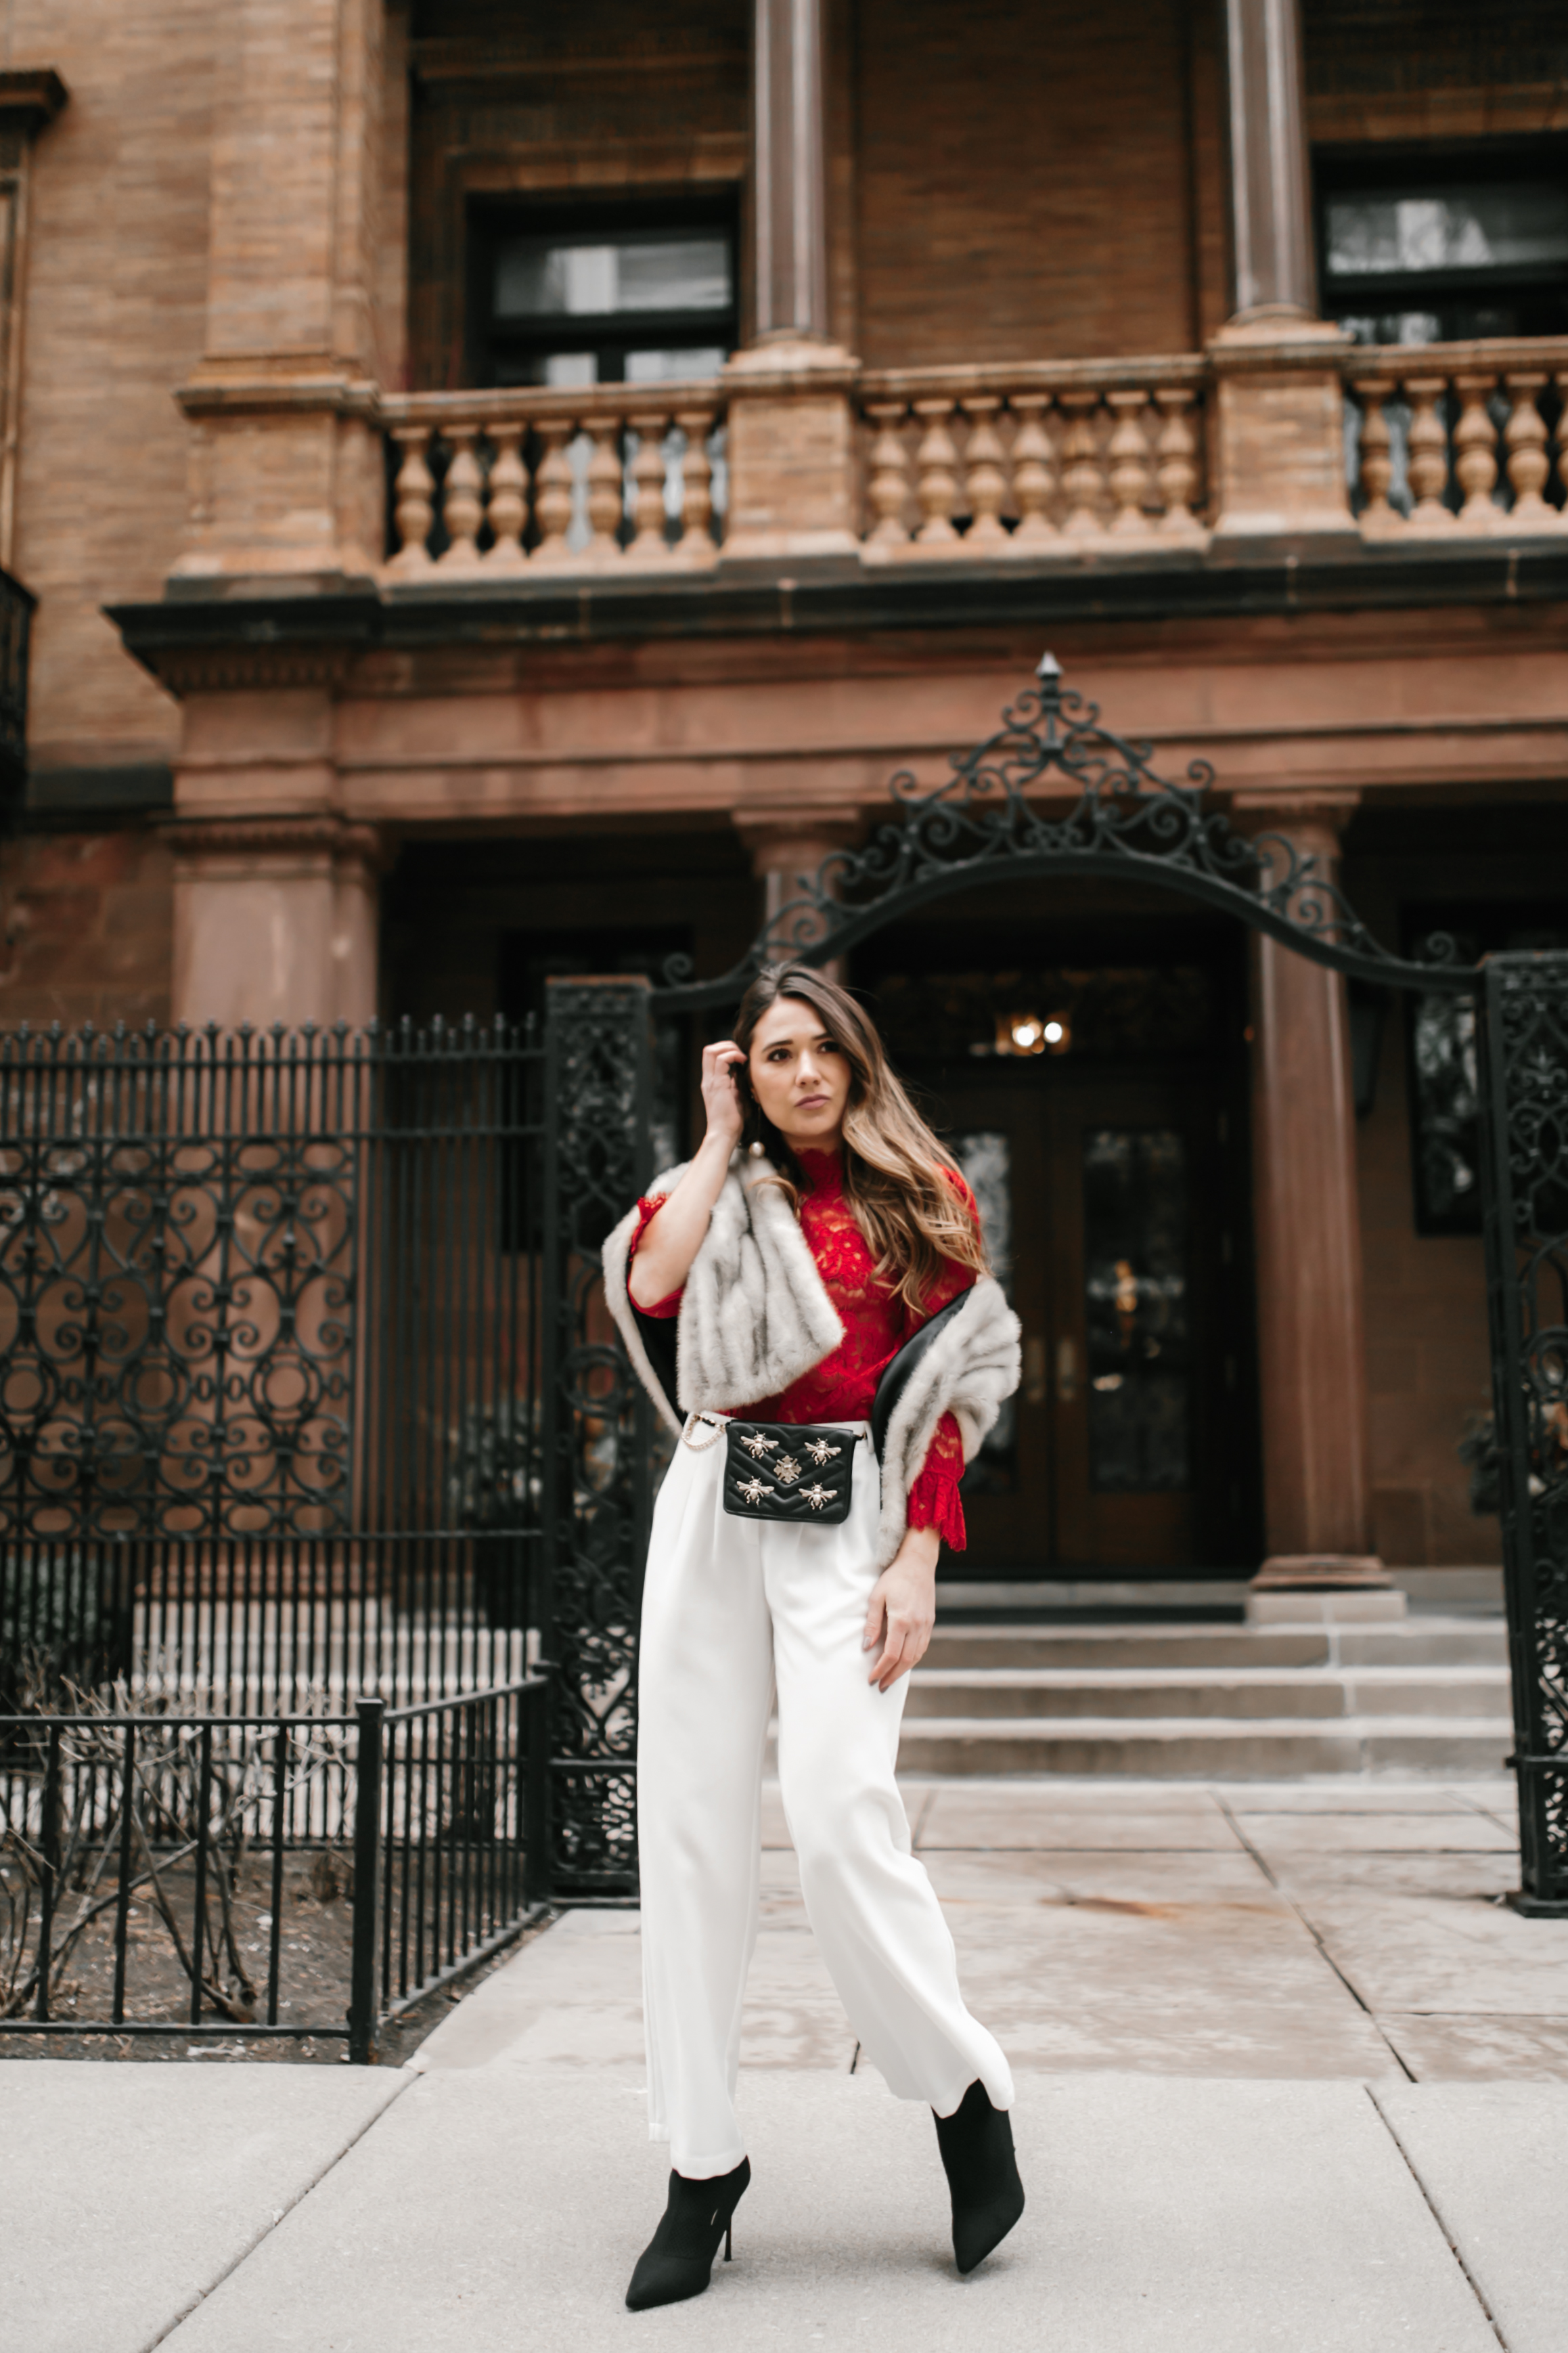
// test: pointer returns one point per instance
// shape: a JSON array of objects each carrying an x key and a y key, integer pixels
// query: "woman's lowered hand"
[{"x": 902, "y": 1609}]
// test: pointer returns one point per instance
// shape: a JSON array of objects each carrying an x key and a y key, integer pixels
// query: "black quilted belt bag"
[{"x": 798, "y": 1472}]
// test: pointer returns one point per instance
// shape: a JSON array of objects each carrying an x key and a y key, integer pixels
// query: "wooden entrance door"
[{"x": 1105, "y": 1197}]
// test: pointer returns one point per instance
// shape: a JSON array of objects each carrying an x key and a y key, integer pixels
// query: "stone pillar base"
[{"x": 1323, "y": 1572}]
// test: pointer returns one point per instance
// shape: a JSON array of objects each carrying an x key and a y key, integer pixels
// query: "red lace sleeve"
[
  {"x": 648, "y": 1210},
  {"x": 935, "y": 1499}
]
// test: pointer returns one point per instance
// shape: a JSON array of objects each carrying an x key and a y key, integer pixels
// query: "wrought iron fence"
[
  {"x": 308, "y": 1875},
  {"x": 271, "y": 1358},
  {"x": 1524, "y": 1075}
]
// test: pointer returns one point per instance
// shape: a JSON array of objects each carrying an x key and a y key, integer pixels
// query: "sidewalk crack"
[
  {"x": 280, "y": 2214},
  {"x": 1287, "y": 1898},
  {"x": 1435, "y": 2212}
]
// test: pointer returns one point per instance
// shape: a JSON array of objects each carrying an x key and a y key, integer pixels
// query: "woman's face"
[{"x": 799, "y": 1076}]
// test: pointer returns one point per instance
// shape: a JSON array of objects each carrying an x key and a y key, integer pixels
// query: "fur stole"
[{"x": 755, "y": 1315}]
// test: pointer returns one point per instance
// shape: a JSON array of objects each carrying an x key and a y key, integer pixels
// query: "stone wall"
[
  {"x": 85, "y": 929},
  {"x": 115, "y": 305}
]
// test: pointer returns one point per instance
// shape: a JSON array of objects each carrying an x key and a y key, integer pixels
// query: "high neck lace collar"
[{"x": 822, "y": 1171}]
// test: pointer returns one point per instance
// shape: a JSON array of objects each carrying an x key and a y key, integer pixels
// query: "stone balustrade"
[
  {"x": 489, "y": 484},
  {"x": 1051, "y": 459},
  {"x": 1458, "y": 438}
]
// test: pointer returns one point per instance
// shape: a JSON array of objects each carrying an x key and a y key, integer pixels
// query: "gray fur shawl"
[{"x": 755, "y": 1315}]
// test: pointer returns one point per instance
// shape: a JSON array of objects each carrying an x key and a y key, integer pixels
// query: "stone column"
[
  {"x": 1311, "y": 1349},
  {"x": 1271, "y": 208},
  {"x": 787, "y": 852},
  {"x": 275, "y": 920},
  {"x": 1279, "y": 448},
  {"x": 791, "y": 429},
  {"x": 789, "y": 191}
]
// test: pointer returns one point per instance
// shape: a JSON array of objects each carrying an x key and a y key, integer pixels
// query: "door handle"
[
  {"x": 1067, "y": 1370},
  {"x": 1034, "y": 1371}
]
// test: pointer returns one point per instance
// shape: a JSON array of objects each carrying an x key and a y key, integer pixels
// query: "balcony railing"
[
  {"x": 496, "y": 483},
  {"x": 1054, "y": 461},
  {"x": 1457, "y": 437},
  {"x": 1030, "y": 461}
]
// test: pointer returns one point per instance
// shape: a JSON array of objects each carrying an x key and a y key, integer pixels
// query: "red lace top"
[{"x": 876, "y": 1323}]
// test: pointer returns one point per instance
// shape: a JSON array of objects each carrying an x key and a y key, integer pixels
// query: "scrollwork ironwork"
[
  {"x": 1525, "y": 1217},
  {"x": 599, "y": 1436},
  {"x": 992, "y": 818}
]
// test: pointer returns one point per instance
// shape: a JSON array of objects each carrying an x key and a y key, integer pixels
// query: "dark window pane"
[
  {"x": 1385, "y": 232},
  {"x": 1135, "y": 1279},
  {"x": 570, "y": 278}
]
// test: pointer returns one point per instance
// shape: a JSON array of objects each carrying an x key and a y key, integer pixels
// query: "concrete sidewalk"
[{"x": 1289, "y": 2076}]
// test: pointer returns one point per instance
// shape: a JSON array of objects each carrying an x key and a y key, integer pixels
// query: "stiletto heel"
[
  {"x": 677, "y": 2261},
  {"x": 976, "y": 2145}
]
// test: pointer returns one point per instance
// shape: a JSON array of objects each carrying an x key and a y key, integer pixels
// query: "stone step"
[
  {"x": 992, "y": 1692},
  {"x": 1415, "y": 1641},
  {"x": 1201, "y": 1748}
]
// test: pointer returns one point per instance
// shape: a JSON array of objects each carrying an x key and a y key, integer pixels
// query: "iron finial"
[{"x": 1048, "y": 670}]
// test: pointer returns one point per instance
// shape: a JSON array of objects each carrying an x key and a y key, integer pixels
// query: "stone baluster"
[
  {"x": 1033, "y": 480},
  {"x": 1177, "y": 452},
  {"x": 414, "y": 499},
  {"x": 1376, "y": 456},
  {"x": 696, "y": 544},
  {"x": 509, "y": 498},
  {"x": 1428, "y": 441},
  {"x": 606, "y": 496},
  {"x": 463, "y": 503},
  {"x": 890, "y": 486},
  {"x": 1475, "y": 443},
  {"x": 1083, "y": 477},
  {"x": 649, "y": 474},
  {"x": 1127, "y": 452},
  {"x": 1528, "y": 464},
  {"x": 936, "y": 461},
  {"x": 553, "y": 485},
  {"x": 985, "y": 482},
  {"x": 1560, "y": 380}
]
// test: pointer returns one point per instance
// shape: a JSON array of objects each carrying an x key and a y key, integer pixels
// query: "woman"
[{"x": 821, "y": 1264}]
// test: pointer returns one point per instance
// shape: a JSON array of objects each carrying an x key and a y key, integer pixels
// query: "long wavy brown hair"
[{"x": 909, "y": 1210}]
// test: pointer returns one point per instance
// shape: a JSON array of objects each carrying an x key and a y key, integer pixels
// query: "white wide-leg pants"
[{"x": 730, "y": 1608}]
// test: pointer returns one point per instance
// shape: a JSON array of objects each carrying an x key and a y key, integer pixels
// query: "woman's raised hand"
[
  {"x": 673, "y": 1235},
  {"x": 721, "y": 1094}
]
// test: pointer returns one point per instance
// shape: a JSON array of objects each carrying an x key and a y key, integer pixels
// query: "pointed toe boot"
[
  {"x": 677, "y": 2261},
  {"x": 976, "y": 2145}
]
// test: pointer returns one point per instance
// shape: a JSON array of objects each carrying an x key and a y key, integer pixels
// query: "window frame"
[{"x": 609, "y": 335}]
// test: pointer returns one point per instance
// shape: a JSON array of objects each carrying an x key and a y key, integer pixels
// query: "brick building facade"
[{"x": 503, "y": 489}]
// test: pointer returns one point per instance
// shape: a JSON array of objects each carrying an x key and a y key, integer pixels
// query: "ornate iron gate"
[{"x": 1524, "y": 1177}]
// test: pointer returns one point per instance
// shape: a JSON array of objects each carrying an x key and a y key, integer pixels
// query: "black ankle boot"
[
  {"x": 976, "y": 2145},
  {"x": 678, "y": 2259}
]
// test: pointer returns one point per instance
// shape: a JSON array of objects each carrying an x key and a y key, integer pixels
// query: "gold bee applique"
[
  {"x": 821, "y": 1452},
  {"x": 757, "y": 1446},
  {"x": 751, "y": 1490},
  {"x": 816, "y": 1494},
  {"x": 787, "y": 1469}
]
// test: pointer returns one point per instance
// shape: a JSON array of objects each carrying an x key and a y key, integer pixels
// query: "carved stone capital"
[
  {"x": 794, "y": 841},
  {"x": 218, "y": 669},
  {"x": 1313, "y": 820},
  {"x": 258, "y": 839}
]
